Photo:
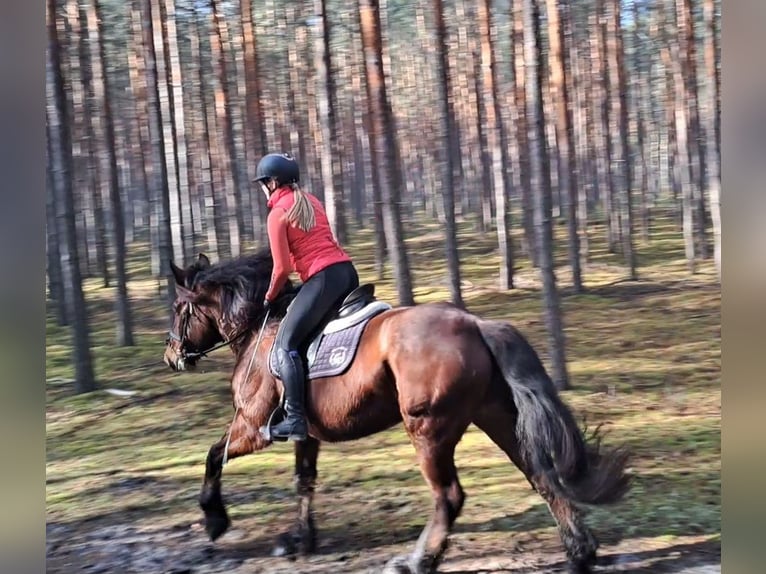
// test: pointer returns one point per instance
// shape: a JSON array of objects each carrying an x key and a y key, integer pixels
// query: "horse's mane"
[{"x": 241, "y": 284}]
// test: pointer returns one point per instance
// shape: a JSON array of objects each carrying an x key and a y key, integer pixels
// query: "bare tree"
[
  {"x": 219, "y": 41},
  {"x": 498, "y": 144},
  {"x": 710, "y": 96},
  {"x": 519, "y": 141},
  {"x": 621, "y": 157},
  {"x": 541, "y": 190},
  {"x": 61, "y": 147},
  {"x": 124, "y": 317},
  {"x": 448, "y": 193},
  {"x": 56, "y": 292},
  {"x": 560, "y": 66},
  {"x": 328, "y": 123},
  {"x": 383, "y": 146},
  {"x": 159, "y": 217}
]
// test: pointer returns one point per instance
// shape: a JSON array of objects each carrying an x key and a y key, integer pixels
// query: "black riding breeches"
[{"x": 322, "y": 293}]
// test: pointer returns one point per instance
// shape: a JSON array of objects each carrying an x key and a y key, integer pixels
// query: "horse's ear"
[
  {"x": 186, "y": 295},
  {"x": 202, "y": 261},
  {"x": 178, "y": 273}
]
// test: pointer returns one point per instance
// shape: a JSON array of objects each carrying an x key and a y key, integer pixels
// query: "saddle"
[{"x": 332, "y": 349}]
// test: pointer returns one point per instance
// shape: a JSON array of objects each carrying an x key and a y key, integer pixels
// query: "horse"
[{"x": 433, "y": 367}]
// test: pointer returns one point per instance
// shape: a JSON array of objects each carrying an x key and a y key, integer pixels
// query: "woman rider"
[{"x": 300, "y": 239}]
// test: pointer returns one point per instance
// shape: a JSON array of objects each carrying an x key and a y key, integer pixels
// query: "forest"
[{"x": 553, "y": 163}]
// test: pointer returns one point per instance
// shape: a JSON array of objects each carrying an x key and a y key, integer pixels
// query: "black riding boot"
[{"x": 293, "y": 426}]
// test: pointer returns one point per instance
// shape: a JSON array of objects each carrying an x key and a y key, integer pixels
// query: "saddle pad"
[{"x": 336, "y": 352}]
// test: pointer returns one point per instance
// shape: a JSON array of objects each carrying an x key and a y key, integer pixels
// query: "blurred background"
[{"x": 552, "y": 163}]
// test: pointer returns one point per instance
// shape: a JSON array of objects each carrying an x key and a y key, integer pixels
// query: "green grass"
[{"x": 644, "y": 359}]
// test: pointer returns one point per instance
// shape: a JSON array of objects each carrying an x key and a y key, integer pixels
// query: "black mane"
[{"x": 242, "y": 284}]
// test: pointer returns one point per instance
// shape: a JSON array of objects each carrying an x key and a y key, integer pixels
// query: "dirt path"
[{"x": 183, "y": 549}]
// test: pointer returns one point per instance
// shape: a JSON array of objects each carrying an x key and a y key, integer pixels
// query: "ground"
[{"x": 123, "y": 472}]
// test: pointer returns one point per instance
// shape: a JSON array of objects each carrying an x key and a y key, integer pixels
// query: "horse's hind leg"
[
  {"x": 435, "y": 448},
  {"x": 243, "y": 440},
  {"x": 302, "y": 537},
  {"x": 498, "y": 420}
]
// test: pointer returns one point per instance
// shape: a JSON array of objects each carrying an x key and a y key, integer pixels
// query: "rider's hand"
[{"x": 266, "y": 305}]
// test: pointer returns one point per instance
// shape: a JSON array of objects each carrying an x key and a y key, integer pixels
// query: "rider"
[{"x": 300, "y": 239}]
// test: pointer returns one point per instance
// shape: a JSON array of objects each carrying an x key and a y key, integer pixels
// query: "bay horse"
[{"x": 433, "y": 367}]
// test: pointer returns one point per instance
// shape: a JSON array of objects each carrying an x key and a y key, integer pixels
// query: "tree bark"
[
  {"x": 160, "y": 212},
  {"x": 604, "y": 156},
  {"x": 710, "y": 96},
  {"x": 177, "y": 125},
  {"x": 219, "y": 41},
  {"x": 560, "y": 63},
  {"x": 328, "y": 123},
  {"x": 61, "y": 146},
  {"x": 678, "y": 101},
  {"x": 56, "y": 292},
  {"x": 448, "y": 193},
  {"x": 383, "y": 146},
  {"x": 519, "y": 142},
  {"x": 541, "y": 186},
  {"x": 124, "y": 335},
  {"x": 621, "y": 156},
  {"x": 170, "y": 186},
  {"x": 498, "y": 144}
]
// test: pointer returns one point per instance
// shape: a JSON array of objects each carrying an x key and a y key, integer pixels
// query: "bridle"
[{"x": 181, "y": 339}]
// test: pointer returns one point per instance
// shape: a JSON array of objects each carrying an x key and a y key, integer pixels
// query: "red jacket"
[{"x": 306, "y": 252}]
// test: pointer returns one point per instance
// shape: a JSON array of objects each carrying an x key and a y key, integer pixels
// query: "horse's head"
[{"x": 195, "y": 322}]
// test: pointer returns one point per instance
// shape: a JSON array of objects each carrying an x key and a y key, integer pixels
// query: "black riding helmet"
[{"x": 281, "y": 166}]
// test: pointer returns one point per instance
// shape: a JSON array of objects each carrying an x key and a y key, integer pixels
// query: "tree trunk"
[
  {"x": 642, "y": 102},
  {"x": 621, "y": 156},
  {"x": 520, "y": 143},
  {"x": 498, "y": 144},
  {"x": 254, "y": 107},
  {"x": 166, "y": 125},
  {"x": 209, "y": 189},
  {"x": 598, "y": 51},
  {"x": 219, "y": 41},
  {"x": 709, "y": 113},
  {"x": 383, "y": 146},
  {"x": 177, "y": 125},
  {"x": 61, "y": 146},
  {"x": 138, "y": 84},
  {"x": 560, "y": 67},
  {"x": 124, "y": 335},
  {"x": 679, "y": 105},
  {"x": 328, "y": 122},
  {"x": 448, "y": 193},
  {"x": 579, "y": 85},
  {"x": 541, "y": 186},
  {"x": 98, "y": 245},
  {"x": 696, "y": 144},
  {"x": 160, "y": 212},
  {"x": 56, "y": 293}
]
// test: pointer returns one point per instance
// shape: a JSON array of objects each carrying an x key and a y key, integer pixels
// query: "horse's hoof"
[
  {"x": 580, "y": 568},
  {"x": 285, "y": 545},
  {"x": 216, "y": 525},
  {"x": 398, "y": 565}
]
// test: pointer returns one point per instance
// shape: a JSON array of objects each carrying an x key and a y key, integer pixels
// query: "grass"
[{"x": 644, "y": 359}]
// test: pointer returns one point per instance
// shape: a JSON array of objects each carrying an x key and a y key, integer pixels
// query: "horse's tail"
[{"x": 552, "y": 444}]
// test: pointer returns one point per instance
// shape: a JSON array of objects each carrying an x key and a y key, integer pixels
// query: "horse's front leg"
[
  {"x": 244, "y": 439},
  {"x": 302, "y": 536}
]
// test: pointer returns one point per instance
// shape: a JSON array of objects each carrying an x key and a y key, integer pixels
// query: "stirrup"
[
  {"x": 277, "y": 412},
  {"x": 289, "y": 429}
]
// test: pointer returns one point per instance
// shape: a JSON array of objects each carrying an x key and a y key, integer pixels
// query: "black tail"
[{"x": 552, "y": 444}]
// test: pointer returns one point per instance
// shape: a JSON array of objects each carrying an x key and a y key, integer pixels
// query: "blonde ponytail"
[{"x": 301, "y": 214}]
